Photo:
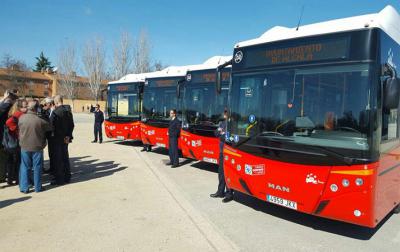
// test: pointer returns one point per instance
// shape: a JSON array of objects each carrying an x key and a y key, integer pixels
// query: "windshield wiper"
[{"x": 341, "y": 157}]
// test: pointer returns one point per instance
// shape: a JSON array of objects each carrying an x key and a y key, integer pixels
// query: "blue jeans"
[{"x": 31, "y": 160}]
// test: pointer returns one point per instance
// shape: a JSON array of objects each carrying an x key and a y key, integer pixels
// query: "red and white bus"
[
  {"x": 159, "y": 97},
  {"x": 202, "y": 109},
  {"x": 124, "y": 102},
  {"x": 314, "y": 123}
]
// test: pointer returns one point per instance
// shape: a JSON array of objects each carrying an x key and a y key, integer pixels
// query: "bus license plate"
[
  {"x": 282, "y": 202},
  {"x": 160, "y": 145},
  {"x": 120, "y": 138},
  {"x": 210, "y": 160}
]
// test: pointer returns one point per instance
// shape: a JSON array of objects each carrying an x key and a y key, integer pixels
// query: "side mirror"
[
  {"x": 391, "y": 92},
  {"x": 218, "y": 80}
]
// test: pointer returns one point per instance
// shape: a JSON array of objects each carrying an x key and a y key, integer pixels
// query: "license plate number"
[
  {"x": 160, "y": 145},
  {"x": 282, "y": 202},
  {"x": 120, "y": 138},
  {"x": 210, "y": 160}
]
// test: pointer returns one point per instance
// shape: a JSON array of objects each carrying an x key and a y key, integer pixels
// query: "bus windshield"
[
  {"x": 158, "y": 101},
  {"x": 202, "y": 105},
  {"x": 125, "y": 104},
  {"x": 315, "y": 106}
]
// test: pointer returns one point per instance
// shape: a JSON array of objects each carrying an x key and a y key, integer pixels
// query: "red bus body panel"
[
  {"x": 200, "y": 147},
  {"x": 309, "y": 185},
  {"x": 123, "y": 131}
]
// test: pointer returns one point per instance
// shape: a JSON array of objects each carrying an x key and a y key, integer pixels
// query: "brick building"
[{"x": 43, "y": 84}]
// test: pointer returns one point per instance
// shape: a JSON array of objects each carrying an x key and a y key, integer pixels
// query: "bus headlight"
[
  {"x": 345, "y": 182},
  {"x": 334, "y": 188},
  {"x": 359, "y": 181}
]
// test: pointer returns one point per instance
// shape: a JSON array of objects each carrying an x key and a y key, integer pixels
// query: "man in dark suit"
[
  {"x": 173, "y": 133},
  {"x": 62, "y": 121},
  {"x": 221, "y": 133},
  {"x": 98, "y": 122}
]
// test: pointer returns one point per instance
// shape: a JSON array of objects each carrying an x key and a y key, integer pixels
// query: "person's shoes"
[
  {"x": 227, "y": 198},
  {"x": 148, "y": 149},
  {"x": 175, "y": 165},
  {"x": 142, "y": 150},
  {"x": 169, "y": 163},
  {"x": 94, "y": 141},
  {"x": 100, "y": 141},
  {"x": 217, "y": 195},
  {"x": 42, "y": 189},
  {"x": 25, "y": 192}
]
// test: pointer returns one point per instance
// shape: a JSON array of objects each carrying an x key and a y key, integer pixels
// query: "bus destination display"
[{"x": 297, "y": 53}]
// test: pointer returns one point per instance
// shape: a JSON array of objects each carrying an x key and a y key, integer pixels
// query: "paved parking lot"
[{"x": 121, "y": 199}]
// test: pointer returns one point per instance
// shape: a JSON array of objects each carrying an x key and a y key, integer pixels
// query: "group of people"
[
  {"x": 27, "y": 126},
  {"x": 173, "y": 134}
]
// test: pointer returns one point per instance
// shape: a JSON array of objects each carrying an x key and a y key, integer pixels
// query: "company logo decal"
[
  {"x": 196, "y": 143},
  {"x": 311, "y": 178},
  {"x": 238, "y": 56},
  {"x": 255, "y": 170}
]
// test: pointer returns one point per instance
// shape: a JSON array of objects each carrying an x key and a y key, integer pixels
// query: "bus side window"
[{"x": 389, "y": 124}]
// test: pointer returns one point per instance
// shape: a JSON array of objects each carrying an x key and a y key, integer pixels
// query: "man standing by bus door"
[
  {"x": 221, "y": 132},
  {"x": 173, "y": 133},
  {"x": 98, "y": 124}
]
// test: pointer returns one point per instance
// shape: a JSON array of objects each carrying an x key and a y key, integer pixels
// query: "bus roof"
[
  {"x": 212, "y": 63},
  {"x": 180, "y": 71},
  {"x": 387, "y": 19},
  {"x": 131, "y": 78}
]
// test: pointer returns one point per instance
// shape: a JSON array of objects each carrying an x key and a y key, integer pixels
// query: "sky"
[{"x": 181, "y": 32}]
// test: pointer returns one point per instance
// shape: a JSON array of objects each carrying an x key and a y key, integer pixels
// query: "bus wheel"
[{"x": 396, "y": 210}]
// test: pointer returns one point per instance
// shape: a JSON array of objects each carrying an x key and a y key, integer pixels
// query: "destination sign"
[
  {"x": 208, "y": 76},
  {"x": 123, "y": 88},
  {"x": 291, "y": 53},
  {"x": 161, "y": 82}
]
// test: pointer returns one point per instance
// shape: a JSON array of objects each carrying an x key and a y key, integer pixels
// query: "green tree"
[{"x": 42, "y": 63}]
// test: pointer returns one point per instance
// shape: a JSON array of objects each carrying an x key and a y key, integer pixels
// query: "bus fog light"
[
  {"x": 233, "y": 161},
  {"x": 345, "y": 182},
  {"x": 357, "y": 213},
  {"x": 334, "y": 188},
  {"x": 226, "y": 157},
  {"x": 359, "y": 181}
]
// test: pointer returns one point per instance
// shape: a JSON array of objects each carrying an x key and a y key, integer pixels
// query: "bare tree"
[
  {"x": 123, "y": 56},
  {"x": 142, "y": 54},
  {"x": 93, "y": 59},
  {"x": 16, "y": 71},
  {"x": 66, "y": 72},
  {"x": 158, "y": 66}
]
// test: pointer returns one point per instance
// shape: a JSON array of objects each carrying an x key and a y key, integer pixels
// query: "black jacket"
[
  {"x": 174, "y": 128},
  {"x": 4, "y": 109},
  {"x": 63, "y": 123},
  {"x": 98, "y": 116}
]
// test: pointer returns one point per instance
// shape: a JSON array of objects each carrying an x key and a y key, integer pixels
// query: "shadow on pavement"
[
  {"x": 84, "y": 170},
  {"x": 6, "y": 203},
  {"x": 317, "y": 223},
  {"x": 205, "y": 166},
  {"x": 130, "y": 143}
]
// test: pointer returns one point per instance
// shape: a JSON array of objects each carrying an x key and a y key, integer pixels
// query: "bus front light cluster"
[
  {"x": 359, "y": 181},
  {"x": 345, "y": 182},
  {"x": 334, "y": 188}
]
